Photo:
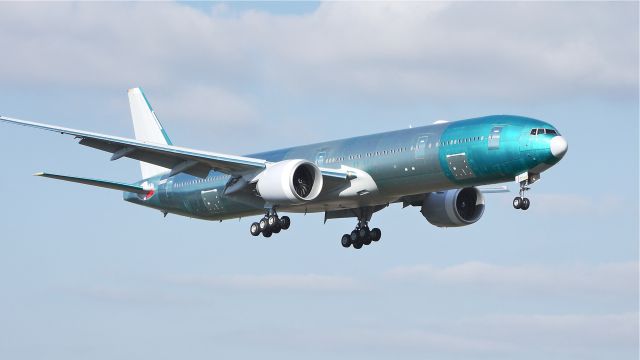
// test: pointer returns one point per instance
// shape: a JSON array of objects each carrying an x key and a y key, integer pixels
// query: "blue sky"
[{"x": 86, "y": 275}]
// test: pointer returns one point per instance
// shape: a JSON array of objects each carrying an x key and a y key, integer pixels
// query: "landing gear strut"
[
  {"x": 361, "y": 235},
  {"x": 270, "y": 224}
]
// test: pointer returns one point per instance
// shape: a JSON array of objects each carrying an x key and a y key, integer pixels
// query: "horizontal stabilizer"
[{"x": 99, "y": 183}]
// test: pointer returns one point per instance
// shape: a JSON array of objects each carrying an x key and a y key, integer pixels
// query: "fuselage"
[{"x": 473, "y": 152}]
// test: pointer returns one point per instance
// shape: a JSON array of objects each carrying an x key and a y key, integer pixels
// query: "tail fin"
[{"x": 147, "y": 128}]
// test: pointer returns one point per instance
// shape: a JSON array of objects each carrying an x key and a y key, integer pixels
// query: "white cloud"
[
  {"x": 606, "y": 278},
  {"x": 274, "y": 281},
  {"x": 409, "y": 51},
  {"x": 492, "y": 336},
  {"x": 569, "y": 331},
  {"x": 207, "y": 106}
]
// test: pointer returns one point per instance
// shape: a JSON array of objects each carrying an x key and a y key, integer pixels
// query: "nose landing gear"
[
  {"x": 270, "y": 224},
  {"x": 526, "y": 179}
]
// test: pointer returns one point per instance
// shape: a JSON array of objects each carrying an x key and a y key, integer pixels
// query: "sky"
[{"x": 86, "y": 275}]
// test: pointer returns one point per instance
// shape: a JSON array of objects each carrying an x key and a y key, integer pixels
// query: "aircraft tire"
[
  {"x": 255, "y": 229},
  {"x": 273, "y": 220},
  {"x": 267, "y": 233},
  {"x": 363, "y": 233},
  {"x": 376, "y": 234},
  {"x": 357, "y": 245},
  {"x": 346, "y": 240},
  {"x": 264, "y": 224},
  {"x": 517, "y": 202},
  {"x": 525, "y": 204},
  {"x": 354, "y": 237},
  {"x": 285, "y": 222}
]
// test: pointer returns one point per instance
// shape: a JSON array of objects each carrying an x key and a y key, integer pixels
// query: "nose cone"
[{"x": 558, "y": 146}]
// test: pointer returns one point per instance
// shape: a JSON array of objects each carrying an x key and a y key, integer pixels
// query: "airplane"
[{"x": 442, "y": 168}]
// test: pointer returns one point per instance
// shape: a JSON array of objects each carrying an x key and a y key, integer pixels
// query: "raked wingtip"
[{"x": 39, "y": 174}]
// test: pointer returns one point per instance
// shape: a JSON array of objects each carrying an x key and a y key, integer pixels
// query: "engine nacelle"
[
  {"x": 453, "y": 208},
  {"x": 290, "y": 182}
]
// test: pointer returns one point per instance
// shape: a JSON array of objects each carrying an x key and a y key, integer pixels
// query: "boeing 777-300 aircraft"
[{"x": 437, "y": 168}]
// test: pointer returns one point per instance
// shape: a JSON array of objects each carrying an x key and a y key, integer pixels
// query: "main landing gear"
[
  {"x": 361, "y": 235},
  {"x": 270, "y": 224}
]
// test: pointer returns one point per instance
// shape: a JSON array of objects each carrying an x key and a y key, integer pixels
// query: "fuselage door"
[
  {"x": 421, "y": 147},
  {"x": 166, "y": 189},
  {"x": 320, "y": 158},
  {"x": 494, "y": 138}
]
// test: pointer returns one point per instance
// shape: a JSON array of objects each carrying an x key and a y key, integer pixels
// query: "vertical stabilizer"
[{"x": 147, "y": 128}]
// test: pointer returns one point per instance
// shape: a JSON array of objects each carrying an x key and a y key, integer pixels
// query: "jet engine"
[
  {"x": 453, "y": 208},
  {"x": 290, "y": 182}
]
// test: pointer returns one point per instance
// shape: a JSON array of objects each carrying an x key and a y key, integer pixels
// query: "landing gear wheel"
[
  {"x": 255, "y": 229},
  {"x": 272, "y": 220},
  {"x": 276, "y": 228},
  {"x": 363, "y": 233},
  {"x": 525, "y": 204},
  {"x": 267, "y": 233},
  {"x": 285, "y": 222},
  {"x": 376, "y": 234},
  {"x": 517, "y": 202},
  {"x": 354, "y": 237},
  {"x": 346, "y": 240},
  {"x": 264, "y": 224},
  {"x": 357, "y": 245}
]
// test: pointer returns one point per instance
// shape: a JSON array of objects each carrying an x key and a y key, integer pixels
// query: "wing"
[{"x": 178, "y": 159}]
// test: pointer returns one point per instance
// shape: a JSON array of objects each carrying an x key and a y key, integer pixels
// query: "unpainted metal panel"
[
  {"x": 212, "y": 201},
  {"x": 459, "y": 166}
]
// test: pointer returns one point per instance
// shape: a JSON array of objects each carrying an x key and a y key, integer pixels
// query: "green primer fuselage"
[{"x": 480, "y": 151}]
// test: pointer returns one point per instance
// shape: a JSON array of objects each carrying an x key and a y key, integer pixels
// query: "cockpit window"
[{"x": 543, "y": 131}]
